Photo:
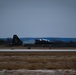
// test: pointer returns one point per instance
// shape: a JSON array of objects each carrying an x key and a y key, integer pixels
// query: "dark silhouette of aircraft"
[
  {"x": 42, "y": 41},
  {"x": 16, "y": 41}
]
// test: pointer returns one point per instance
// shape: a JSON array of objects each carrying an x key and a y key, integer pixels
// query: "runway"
[{"x": 37, "y": 50}]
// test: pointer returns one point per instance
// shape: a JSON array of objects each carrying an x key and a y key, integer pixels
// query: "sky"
[{"x": 38, "y": 18}]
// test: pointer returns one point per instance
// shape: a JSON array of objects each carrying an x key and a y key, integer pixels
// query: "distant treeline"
[
  {"x": 63, "y": 44},
  {"x": 8, "y": 42}
]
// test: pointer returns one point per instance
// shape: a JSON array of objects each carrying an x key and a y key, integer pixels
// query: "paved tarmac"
[{"x": 37, "y": 50}]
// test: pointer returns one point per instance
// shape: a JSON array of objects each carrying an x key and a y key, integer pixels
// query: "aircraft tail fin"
[{"x": 16, "y": 41}]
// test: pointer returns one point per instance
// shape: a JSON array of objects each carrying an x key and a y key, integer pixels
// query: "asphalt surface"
[{"x": 37, "y": 50}]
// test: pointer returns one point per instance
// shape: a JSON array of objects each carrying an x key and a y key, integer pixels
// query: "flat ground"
[
  {"x": 37, "y": 63},
  {"x": 38, "y": 72},
  {"x": 23, "y": 47},
  {"x": 37, "y": 60}
]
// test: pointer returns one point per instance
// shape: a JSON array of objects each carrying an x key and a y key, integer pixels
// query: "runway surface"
[{"x": 37, "y": 50}]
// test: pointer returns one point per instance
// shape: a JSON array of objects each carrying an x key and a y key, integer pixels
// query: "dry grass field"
[
  {"x": 25, "y": 60},
  {"x": 37, "y": 63}
]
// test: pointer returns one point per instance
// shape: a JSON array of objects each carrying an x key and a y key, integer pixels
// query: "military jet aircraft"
[{"x": 16, "y": 41}]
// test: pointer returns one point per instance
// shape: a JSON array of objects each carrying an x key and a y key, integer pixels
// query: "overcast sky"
[{"x": 38, "y": 18}]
